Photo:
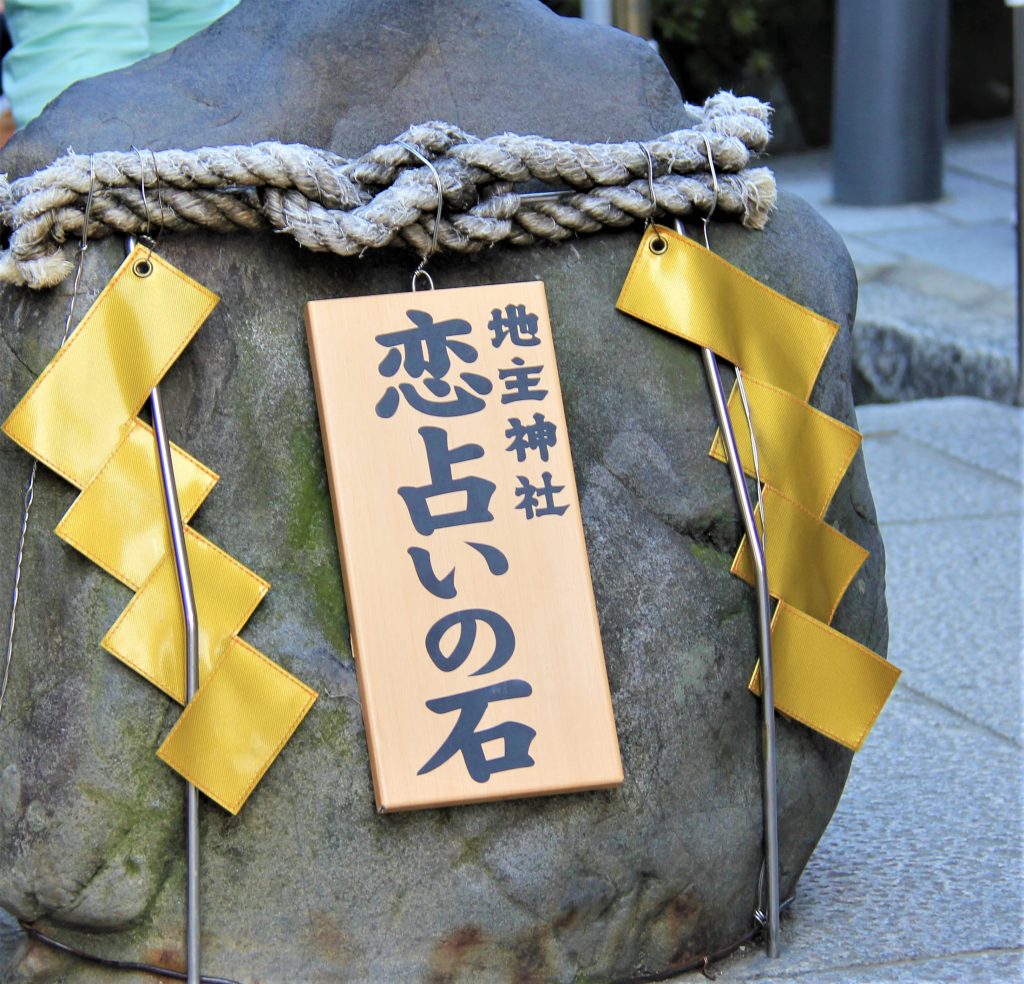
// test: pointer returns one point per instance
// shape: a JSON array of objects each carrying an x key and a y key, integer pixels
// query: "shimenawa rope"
[{"x": 329, "y": 203}]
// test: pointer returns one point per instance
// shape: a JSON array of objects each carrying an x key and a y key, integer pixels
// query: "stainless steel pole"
[
  {"x": 191, "y": 677},
  {"x": 769, "y": 799},
  {"x": 188, "y": 607}
]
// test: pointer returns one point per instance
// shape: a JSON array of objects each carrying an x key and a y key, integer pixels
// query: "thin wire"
[
  {"x": 145, "y": 236},
  {"x": 697, "y": 963},
  {"x": 753, "y": 447},
  {"x": 760, "y": 915},
  {"x": 650, "y": 183},
  {"x": 702, "y": 962},
  {"x": 714, "y": 184},
  {"x": 30, "y": 485},
  {"x": 159, "y": 203},
  {"x": 142, "y": 183},
  {"x": 649, "y": 221},
  {"x": 421, "y": 271},
  {"x": 154, "y": 969},
  {"x": 739, "y": 373}
]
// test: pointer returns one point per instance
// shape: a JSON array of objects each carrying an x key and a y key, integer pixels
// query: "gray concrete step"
[{"x": 937, "y": 313}]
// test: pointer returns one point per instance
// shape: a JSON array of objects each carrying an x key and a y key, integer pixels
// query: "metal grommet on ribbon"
[
  {"x": 80, "y": 419},
  {"x": 808, "y": 670},
  {"x": 657, "y": 243}
]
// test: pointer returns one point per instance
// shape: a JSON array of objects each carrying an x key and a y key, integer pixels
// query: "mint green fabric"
[
  {"x": 57, "y": 42},
  {"x": 171, "y": 21}
]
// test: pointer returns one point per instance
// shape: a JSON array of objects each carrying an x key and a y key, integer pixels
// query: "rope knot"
[{"x": 329, "y": 203}]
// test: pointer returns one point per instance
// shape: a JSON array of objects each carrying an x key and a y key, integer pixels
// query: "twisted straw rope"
[{"x": 328, "y": 203}]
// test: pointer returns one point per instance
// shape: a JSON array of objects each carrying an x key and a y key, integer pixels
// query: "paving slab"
[
  {"x": 920, "y": 875},
  {"x": 964, "y": 655},
  {"x": 922, "y": 861},
  {"x": 984, "y": 150},
  {"x": 955, "y": 309},
  {"x": 922, "y": 331},
  {"x": 928, "y": 484},
  {"x": 917, "y": 334},
  {"x": 865, "y": 254},
  {"x": 969, "y": 198},
  {"x": 994, "y": 966},
  {"x": 976, "y": 432},
  {"x": 984, "y": 251}
]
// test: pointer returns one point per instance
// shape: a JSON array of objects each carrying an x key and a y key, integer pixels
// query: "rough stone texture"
[
  {"x": 308, "y": 883},
  {"x": 911, "y": 342}
]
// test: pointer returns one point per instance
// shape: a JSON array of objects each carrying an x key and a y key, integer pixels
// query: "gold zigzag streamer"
[
  {"x": 79, "y": 419},
  {"x": 822, "y": 678}
]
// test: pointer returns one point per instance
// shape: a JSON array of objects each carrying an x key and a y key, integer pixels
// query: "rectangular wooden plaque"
[{"x": 473, "y": 621}]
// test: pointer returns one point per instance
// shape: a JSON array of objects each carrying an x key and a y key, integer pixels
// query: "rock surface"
[{"x": 308, "y": 883}]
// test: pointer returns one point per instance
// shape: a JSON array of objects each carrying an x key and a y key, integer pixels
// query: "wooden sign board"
[{"x": 474, "y": 627}]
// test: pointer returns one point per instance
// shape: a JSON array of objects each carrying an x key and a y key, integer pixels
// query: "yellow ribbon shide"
[
  {"x": 822, "y": 677},
  {"x": 80, "y": 420}
]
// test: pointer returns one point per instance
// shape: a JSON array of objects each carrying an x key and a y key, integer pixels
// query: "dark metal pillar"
[
  {"x": 1018, "y": 116},
  {"x": 889, "y": 104}
]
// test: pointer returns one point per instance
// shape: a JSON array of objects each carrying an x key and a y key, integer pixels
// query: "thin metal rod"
[
  {"x": 188, "y": 607},
  {"x": 769, "y": 802},
  {"x": 191, "y": 675},
  {"x": 30, "y": 486},
  {"x": 421, "y": 270},
  {"x": 539, "y": 197}
]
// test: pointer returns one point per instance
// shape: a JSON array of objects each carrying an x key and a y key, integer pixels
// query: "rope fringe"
[{"x": 328, "y": 203}]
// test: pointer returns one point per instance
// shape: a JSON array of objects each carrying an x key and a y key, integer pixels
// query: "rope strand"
[{"x": 330, "y": 204}]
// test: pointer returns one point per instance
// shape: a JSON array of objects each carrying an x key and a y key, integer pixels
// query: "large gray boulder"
[{"x": 308, "y": 883}]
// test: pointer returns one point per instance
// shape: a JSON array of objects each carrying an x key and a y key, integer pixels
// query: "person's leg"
[
  {"x": 57, "y": 42},
  {"x": 171, "y": 21}
]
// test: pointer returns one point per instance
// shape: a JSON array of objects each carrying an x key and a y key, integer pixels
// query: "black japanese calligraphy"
[
  {"x": 517, "y": 325},
  {"x": 521, "y": 382},
  {"x": 530, "y": 497},
  {"x": 425, "y": 351},
  {"x": 464, "y": 738},
  {"x": 538, "y": 436},
  {"x": 497, "y": 562},
  {"x": 439, "y": 587},
  {"x": 466, "y": 623},
  {"x": 440, "y": 458}
]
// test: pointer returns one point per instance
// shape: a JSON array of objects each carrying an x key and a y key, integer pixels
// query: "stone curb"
[{"x": 922, "y": 332}]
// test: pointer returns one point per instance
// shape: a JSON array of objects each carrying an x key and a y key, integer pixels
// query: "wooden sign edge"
[
  {"x": 385, "y": 803},
  {"x": 345, "y": 573}
]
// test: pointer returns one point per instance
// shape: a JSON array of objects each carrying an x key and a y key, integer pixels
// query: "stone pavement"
[
  {"x": 937, "y": 310},
  {"x": 919, "y": 876}
]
